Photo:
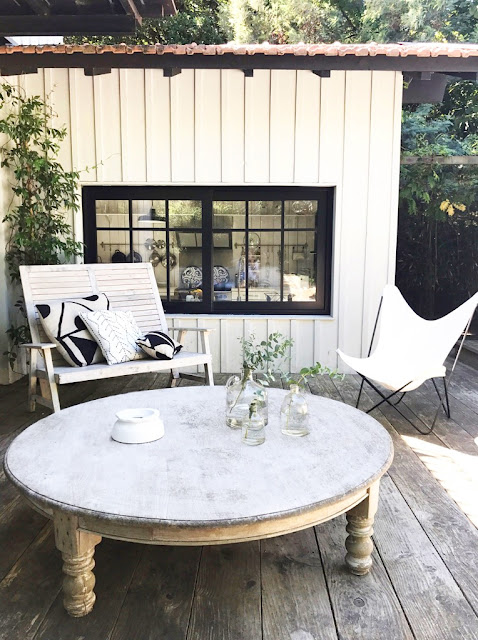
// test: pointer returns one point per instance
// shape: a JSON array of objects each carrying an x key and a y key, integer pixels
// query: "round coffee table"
[{"x": 199, "y": 484}]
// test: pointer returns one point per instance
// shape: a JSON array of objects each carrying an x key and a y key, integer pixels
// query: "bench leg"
[
  {"x": 32, "y": 379},
  {"x": 50, "y": 387},
  {"x": 359, "y": 543},
  {"x": 209, "y": 378},
  {"x": 174, "y": 378},
  {"x": 207, "y": 367}
]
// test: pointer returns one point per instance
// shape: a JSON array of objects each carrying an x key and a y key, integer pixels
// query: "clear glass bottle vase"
[
  {"x": 294, "y": 413},
  {"x": 253, "y": 432},
  {"x": 241, "y": 391}
]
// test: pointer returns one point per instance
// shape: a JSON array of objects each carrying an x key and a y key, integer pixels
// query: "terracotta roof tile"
[{"x": 403, "y": 49}]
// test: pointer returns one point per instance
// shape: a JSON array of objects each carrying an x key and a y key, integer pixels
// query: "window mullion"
[
  {"x": 168, "y": 274},
  {"x": 281, "y": 259},
  {"x": 207, "y": 253},
  {"x": 246, "y": 266}
]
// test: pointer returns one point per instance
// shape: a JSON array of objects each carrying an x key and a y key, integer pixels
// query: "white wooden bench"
[{"x": 129, "y": 287}]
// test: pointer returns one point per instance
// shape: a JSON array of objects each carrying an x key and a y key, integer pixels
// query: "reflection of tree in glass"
[{"x": 185, "y": 213}]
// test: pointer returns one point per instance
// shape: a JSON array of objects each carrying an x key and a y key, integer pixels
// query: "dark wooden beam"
[
  {"x": 18, "y": 72},
  {"x": 158, "y": 9},
  {"x": 248, "y": 73},
  {"x": 66, "y": 25},
  {"x": 39, "y": 7},
  {"x": 170, "y": 72},
  {"x": 97, "y": 71},
  {"x": 130, "y": 8},
  {"x": 440, "y": 64},
  {"x": 465, "y": 75},
  {"x": 322, "y": 73}
]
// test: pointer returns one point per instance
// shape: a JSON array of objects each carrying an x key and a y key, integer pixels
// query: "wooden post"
[{"x": 77, "y": 549}]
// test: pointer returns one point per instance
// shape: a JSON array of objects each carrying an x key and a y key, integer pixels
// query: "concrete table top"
[{"x": 199, "y": 474}]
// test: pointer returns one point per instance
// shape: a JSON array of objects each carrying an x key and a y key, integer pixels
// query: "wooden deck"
[{"x": 423, "y": 586}]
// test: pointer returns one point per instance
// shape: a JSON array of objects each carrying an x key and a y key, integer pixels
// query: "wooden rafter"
[{"x": 130, "y": 8}]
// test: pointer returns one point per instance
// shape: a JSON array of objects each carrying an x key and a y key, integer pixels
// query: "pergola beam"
[
  {"x": 130, "y": 9},
  {"x": 53, "y": 25}
]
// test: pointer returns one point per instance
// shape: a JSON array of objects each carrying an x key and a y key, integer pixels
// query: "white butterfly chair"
[{"x": 410, "y": 350}]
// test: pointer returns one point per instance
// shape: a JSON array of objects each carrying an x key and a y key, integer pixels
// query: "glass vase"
[
  {"x": 240, "y": 393},
  {"x": 294, "y": 413},
  {"x": 253, "y": 432}
]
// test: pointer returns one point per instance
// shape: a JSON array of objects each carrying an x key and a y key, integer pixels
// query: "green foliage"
[
  {"x": 437, "y": 265},
  {"x": 311, "y": 372},
  {"x": 262, "y": 356},
  {"x": 42, "y": 189}
]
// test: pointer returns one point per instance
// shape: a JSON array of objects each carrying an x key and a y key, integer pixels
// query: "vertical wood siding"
[{"x": 282, "y": 127}]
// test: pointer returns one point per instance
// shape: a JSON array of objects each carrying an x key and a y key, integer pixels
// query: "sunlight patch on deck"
[{"x": 456, "y": 472}]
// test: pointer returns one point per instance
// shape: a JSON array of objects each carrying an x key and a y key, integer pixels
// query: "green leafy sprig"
[{"x": 304, "y": 374}]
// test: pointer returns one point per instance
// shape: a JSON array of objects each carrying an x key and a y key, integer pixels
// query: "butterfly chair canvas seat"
[{"x": 410, "y": 349}]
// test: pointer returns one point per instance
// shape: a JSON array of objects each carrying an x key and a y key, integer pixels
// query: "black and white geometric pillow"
[
  {"x": 63, "y": 326},
  {"x": 116, "y": 332},
  {"x": 159, "y": 345}
]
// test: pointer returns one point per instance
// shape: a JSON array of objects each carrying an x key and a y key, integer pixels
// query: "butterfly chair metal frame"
[{"x": 443, "y": 401}]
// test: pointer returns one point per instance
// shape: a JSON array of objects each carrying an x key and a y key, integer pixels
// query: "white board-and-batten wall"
[{"x": 279, "y": 127}]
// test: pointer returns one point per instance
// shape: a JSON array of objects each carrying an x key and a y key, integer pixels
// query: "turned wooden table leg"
[
  {"x": 77, "y": 550},
  {"x": 359, "y": 543}
]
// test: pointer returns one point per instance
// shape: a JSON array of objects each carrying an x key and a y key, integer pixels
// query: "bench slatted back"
[{"x": 129, "y": 287}]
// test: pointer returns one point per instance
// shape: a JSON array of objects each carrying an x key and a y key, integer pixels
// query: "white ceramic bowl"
[{"x": 136, "y": 426}]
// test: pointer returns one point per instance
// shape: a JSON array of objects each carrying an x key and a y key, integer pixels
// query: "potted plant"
[
  {"x": 294, "y": 411},
  {"x": 266, "y": 357}
]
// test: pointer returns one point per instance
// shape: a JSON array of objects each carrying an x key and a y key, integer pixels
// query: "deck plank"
[
  {"x": 158, "y": 602},
  {"x": 19, "y": 526},
  {"x": 29, "y": 589},
  {"x": 431, "y": 599},
  {"x": 227, "y": 602},
  {"x": 446, "y": 526},
  {"x": 295, "y": 602},
  {"x": 365, "y": 607}
]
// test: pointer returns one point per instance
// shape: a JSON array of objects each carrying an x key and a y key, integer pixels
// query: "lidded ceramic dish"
[{"x": 137, "y": 426}]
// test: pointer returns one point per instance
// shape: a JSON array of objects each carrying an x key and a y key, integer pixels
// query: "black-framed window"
[{"x": 263, "y": 250}]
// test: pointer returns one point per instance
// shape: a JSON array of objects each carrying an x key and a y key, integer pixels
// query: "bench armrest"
[
  {"x": 198, "y": 329},
  {"x": 38, "y": 345}
]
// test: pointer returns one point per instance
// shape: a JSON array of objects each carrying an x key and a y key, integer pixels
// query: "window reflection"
[
  {"x": 112, "y": 213},
  {"x": 185, "y": 213},
  {"x": 299, "y": 266}
]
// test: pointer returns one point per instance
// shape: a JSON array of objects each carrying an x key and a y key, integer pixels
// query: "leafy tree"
[{"x": 42, "y": 191}]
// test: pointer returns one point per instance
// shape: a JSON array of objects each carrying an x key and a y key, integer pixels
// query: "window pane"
[
  {"x": 229, "y": 215},
  {"x": 264, "y": 266},
  {"x": 185, "y": 213},
  {"x": 113, "y": 246},
  {"x": 229, "y": 262},
  {"x": 300, "y": 214},
  {"x": 299, "y": 266},
  {"x": 265, "y": 214},
  {"x": 185, "y": 256},
  {"x": 112, "y": 213},
  {"x": 150, "y": 246},
  {"x": 149, "y": 213}
]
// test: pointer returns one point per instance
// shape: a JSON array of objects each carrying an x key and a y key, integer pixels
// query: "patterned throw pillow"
[
  {"x": 63, "y": 326},
  {"x": 116, "y": 332},
  {"x": 159, "y": 345}
]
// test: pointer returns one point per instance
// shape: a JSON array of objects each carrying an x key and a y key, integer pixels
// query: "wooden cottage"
[{"x": 261, "y": 181}]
